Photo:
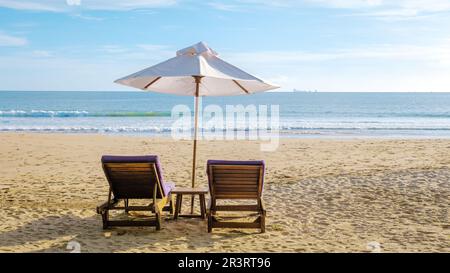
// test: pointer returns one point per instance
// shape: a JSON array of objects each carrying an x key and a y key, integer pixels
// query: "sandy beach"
[{"x": 321, "y": 195}]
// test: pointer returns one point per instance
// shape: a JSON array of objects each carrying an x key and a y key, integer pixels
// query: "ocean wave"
[
  {"x": 362, "y": 128},
  {"x": 157, "y": 130},
  {"x": 287, "y": 114},
  {"x": 366, "y": 114},
  {"x": 85, "y": 129},
  {"x": 71, "y": 114}
]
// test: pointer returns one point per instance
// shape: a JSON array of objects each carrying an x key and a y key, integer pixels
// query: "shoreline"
[{"x": 283, "y": 135}]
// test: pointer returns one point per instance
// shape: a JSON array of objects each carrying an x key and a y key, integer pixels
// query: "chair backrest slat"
[
  {"x": 131, "y": 183},
  {"x": 235, "y": 181},
  {"x": 133, "y": 179}
]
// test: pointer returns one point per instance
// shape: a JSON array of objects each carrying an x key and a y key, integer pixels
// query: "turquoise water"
[{"x": 301, "y": 114}]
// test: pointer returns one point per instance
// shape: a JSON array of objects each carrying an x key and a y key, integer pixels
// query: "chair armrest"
[{"x": 170, "y": 183}]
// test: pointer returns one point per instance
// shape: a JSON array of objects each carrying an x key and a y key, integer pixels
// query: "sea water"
[{"x": 301, "y": 114}]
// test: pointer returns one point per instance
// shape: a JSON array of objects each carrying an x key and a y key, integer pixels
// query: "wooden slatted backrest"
[
  {"x": 235, "y": 181},
  {"x": 132, "y": 180}
]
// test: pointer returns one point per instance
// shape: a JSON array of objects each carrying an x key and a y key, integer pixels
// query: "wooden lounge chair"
[
  {"x": 135, "y": 177},
  {"x": 236, "y": 180}
]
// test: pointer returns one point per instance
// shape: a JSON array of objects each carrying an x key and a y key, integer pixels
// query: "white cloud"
[
  {"x": 272, "y": 3},
  {"x": 67, "y": 5},
  {"x": 423, "y": 5},
  {"x": 381, "y": 9},
  {"x": 33, "y": 5},
  {"x": 382, "y": 6},
  {"x": 224, "y": 6},
  {"x": 348, "y": 4},
  {"x": 375, "y": 68},
  {"x": 149, "y": 52},
  {"x": 383, "y": 67},
  {"x": 8, "y": 40},
  {"x": 439, "y": 54},
  {"x": 404, "y": 10},
  {"x": 126, "y": 5}
]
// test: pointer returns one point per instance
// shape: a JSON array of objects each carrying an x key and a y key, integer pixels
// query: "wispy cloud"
[
  {"x": 404, "y": 10},
  {"x": 67, "y": 5},
  {"x": 380, "y": 9},
  {"x": 299, "y": 3},
  {"x": 113, "y": 49},
  {"x": 438, "y": 54},
  {"x": 139, "y": 52},
  {"x": 348, "y": 4},
  {"x": 381, "y": 67},
  {"x": 76, "y": 68},
  {"x": 87, "y": 17},
  {"x": 225, "y": 6},
  {"x": 53, "y": 6},
  {"x": 126, "y": 5},
  {"x": 8, "y": 40},
  {"x": 420, "y": 5},
  {"x": 372, "y": 68},
  {"x": 390, "y": 10}
]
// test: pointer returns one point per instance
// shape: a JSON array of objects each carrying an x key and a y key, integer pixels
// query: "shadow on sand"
[{"x": 57, "y": 233}]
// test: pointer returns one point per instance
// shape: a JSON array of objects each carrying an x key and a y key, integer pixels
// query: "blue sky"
[{"x": 325, "y": 45}]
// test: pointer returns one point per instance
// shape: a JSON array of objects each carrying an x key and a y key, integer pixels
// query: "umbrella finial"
[{"x": 197, "y": 49}]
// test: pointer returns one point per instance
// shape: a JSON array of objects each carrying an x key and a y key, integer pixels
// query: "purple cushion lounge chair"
[
  {"x": 135, "y": 177},
  {"x": 236, "y": 180}
]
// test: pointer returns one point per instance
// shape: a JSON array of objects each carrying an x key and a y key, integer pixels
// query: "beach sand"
[{"x": 321, "y": 195}]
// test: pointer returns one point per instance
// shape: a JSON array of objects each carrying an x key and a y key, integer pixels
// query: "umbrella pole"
[{"x": 194, "y": 151}]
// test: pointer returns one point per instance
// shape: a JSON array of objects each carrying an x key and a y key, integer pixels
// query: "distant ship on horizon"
[{"x": 305, "y": 91}]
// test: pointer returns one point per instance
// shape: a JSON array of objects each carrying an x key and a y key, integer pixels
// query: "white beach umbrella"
[{"x": 196, "y": 71}]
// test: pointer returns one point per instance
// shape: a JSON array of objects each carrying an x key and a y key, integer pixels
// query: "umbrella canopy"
[
  {"x": 175, "y": 76},
  {"x": 196, "y": 71}
]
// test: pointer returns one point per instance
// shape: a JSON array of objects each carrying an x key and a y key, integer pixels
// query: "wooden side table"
[{"x": 190, "y": 191}]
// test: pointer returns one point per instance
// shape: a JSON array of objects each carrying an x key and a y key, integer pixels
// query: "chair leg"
[
  {"x": 158, "y": 221},
  {"x": 172, "y": 204},
  {"x": 263, "y": 221},
  {"x": 105, "y": 218},
  {"x": 126, "y": 205},
  {"x": 181, "y": 202},
  {"x": 202, "y": 206},
  {"x": 177, "y": 206},
  {"x": 210, "y": 221}
]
